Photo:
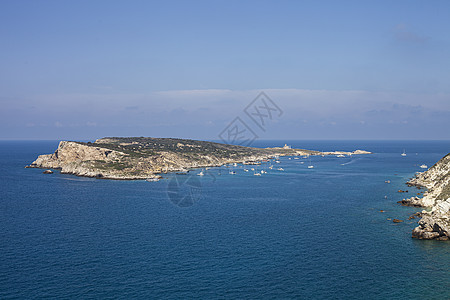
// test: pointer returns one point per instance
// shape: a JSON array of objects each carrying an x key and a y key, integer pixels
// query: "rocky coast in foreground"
[
  {"x": 129, "y": 158},
  {"x": 435, "y": 222}
]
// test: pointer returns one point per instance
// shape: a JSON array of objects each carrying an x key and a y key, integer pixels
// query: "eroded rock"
[{"x": 435, "y": 223}]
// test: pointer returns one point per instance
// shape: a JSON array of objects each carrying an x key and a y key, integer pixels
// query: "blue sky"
[{"x": 337, "y": 69}]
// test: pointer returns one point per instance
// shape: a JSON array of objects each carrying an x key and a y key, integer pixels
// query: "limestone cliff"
[
  {"x": 82, "y": 160},
  {"x": 435, "y": 223}
]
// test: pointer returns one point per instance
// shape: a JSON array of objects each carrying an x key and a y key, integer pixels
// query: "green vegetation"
[
  {"x": 142, "y": 156},
  {"x": 103, "y": 165},
  {"x": 138, "y": 147},
  {"x": 119, "y": 166},
  {"x": 445, "y": 194}
]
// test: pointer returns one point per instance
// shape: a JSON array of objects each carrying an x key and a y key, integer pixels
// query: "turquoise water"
[{"x": 299, "y": 233}]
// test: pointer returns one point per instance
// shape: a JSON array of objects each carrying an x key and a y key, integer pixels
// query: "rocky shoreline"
[
  {"x": 435, "y": 222},
  {"x": 144, "y": 158}
]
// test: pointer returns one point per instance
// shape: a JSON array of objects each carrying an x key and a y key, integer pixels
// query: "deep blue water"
[{"x": 299, "y": 233}]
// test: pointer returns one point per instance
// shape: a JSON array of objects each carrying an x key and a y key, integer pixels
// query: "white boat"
[
  {"x": 424, "y": 166},
  {"x": 232, "y": 172},
  {"x": 257, "y": 174},
  {"x": 271, "y": 167},
  {"x": 280, "y": 169},
  {"x": 340, "y": 155},
  {"x": 404, "y": 153},
  {"x": 152, "y": 179},
  {"x": 255, "y": 163},
  {"x": 277, "y": 161},
  {"x": 263, "y": 172},
  {"x": 235, "y": 164},
  {"x": 310, "y": 165},
  {"x": 201, "y": 173},
  {"x": 295, "y": 157},
  {"x": 245, "y": 170},
  {"x": 302, "y": 162}
]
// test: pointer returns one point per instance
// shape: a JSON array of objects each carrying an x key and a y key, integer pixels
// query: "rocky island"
[
  {"x": 129, "y": 158},
  {"x": 435, "y": 222}
]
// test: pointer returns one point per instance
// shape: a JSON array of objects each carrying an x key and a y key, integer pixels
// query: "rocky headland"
[
  {"x": 435, "y": 222},
  {"x": 143, "y": 158}
]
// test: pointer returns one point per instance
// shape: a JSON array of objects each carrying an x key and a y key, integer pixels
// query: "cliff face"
[
  {"x": 82, "y": 160},
  {"x": 435, "y": 224}
]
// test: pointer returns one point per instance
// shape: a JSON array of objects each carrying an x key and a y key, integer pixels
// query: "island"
[
  {"x": 435, "y": 221},
  {"x": 134, "y": 158}
]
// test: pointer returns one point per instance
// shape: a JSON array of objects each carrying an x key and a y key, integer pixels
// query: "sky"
[{"x": 81, "y": 70}]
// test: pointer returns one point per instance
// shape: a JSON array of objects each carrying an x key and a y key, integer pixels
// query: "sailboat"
[
  {"x": 201, "y": 173},
  {"x": 256, "y": 173},
  {"x": 404, "y": 153},
  {"x": 310, "y": 165}
]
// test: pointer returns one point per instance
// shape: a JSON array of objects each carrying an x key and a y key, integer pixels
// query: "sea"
[{"x": 298, "y": 233}]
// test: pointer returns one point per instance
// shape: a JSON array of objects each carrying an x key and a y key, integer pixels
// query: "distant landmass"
[
  {"x": 130, "y": 158},
  {"x": 435, "y": 222}
]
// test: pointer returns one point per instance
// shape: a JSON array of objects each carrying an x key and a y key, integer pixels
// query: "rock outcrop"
[
  {"x": 435, "y": 223},
  {"x": 81, "y": 159},
  {"x": 356, "y": 152},
  {"x": 141, "y": 158}
]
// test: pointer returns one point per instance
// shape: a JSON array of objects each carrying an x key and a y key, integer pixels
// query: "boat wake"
[{"x": 350, "y": 162}]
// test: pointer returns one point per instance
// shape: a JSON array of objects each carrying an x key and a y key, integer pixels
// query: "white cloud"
[{"x": 171, "y": 112}]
